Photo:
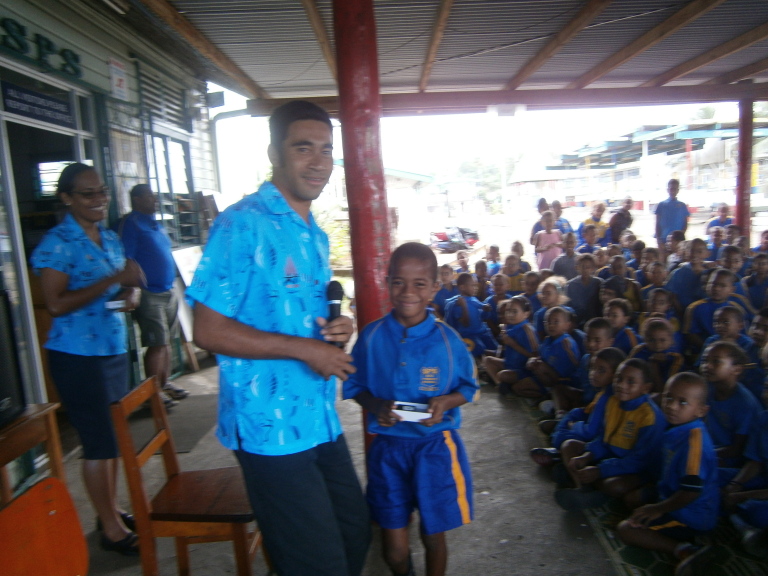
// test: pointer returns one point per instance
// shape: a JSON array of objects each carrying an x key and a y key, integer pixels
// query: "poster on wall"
[{"x": 118, "y": 79}]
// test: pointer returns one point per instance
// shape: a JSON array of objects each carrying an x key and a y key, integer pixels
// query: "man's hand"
[
  {"x": 326, "y": 359},
  {"x": 132, "y": 297},
  {"x": 338, "y": 330}
]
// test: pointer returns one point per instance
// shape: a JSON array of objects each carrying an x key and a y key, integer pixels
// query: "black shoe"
[
  {"x": 128, "y": 546},
  {"x": 128, "y": 520}
]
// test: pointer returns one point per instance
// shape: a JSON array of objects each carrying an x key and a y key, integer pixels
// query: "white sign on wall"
[{"x": 118, "y": 79}]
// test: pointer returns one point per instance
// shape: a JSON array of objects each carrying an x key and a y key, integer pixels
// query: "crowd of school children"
[{"x": 649, "y": 363}]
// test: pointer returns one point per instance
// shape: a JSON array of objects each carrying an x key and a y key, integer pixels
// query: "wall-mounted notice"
[{"x": 118, "y": 79}]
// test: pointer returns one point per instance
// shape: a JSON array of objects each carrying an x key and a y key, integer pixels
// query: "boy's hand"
[
  {"x": 588, "y": 475},
  {"x": 437, "y": 406},
  {"x": 644, "y": 515},
  {"x": 384, "y": 414}
]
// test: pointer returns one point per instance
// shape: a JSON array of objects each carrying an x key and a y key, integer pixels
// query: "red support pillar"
[
  {"x": 359, "y": 112},
  {"x": 744, "y": 175}
]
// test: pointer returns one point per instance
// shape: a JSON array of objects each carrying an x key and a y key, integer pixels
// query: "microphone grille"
[{"x": 335, "y": 290}]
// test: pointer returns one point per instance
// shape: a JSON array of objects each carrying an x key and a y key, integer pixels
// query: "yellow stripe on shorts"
[{"x": 458, "y": 478}]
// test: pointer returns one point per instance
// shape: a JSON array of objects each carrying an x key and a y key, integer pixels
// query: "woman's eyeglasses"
[{"x": 91, "y": 193}]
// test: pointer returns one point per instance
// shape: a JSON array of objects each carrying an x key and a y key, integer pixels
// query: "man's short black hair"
[
  {"x": 417, "y": 252},
  {"x": 140, "y": 189},
  {"x": 291, "y": 112}
]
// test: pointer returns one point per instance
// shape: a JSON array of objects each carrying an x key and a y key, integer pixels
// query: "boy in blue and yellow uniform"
[
  {"x": 659, "y": 350},
  {"x": 688, "y": 495},
  {"x": 618, "y": 312},
  {"x": 468, "y": 316},
  {"x": 622, "y": 457},
  {"x": 733, "y": 409},
  {"x": 408, "y": 356}
]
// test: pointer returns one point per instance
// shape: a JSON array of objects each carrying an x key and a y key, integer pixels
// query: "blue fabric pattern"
[
  {"x": 91, "y": 330},
  {"x": 267, "y": 268}
]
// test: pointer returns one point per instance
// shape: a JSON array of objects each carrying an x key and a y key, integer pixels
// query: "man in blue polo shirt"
[
  {"x": 260, "y": 305},
  {"x": 147, "y": 242},
  {"x": 671, "y": 215}
]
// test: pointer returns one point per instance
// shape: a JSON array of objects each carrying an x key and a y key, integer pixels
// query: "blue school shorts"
[
  {"x": 673, "y": 528},
  {"x": 430, "y": 474},
  {"x": 479, "y": 343}
]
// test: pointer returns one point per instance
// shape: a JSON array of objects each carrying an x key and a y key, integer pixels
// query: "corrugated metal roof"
[{"x": 484, "y": 44}]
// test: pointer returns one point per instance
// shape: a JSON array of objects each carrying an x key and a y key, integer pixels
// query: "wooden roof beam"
[
  {"x": 682, "y": 17},
  {"x": 316, "y": 20},
  {"x": 419, "y": 103},
  {"x": 588, "y": 12},
  {"x": 192, "y": 36},
  {"x": 438, "y": 29},
  {"x": 739, "y": 73},
  {"x": 726, "y": 49}
]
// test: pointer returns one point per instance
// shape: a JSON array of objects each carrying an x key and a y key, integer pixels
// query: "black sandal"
[
  {"x": 128, "y": 546},
  {"x": 128, "y": 520}
]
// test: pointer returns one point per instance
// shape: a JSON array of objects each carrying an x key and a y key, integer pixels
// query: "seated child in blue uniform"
[
  {"x": 590, "y": 240},
  {"x": 624, "y": 454},
  {"x": 519, "y": 251},
  {"x": 551, "y": 293},
  {"x": 500, "y": 293},
  {"x": 698, "y": 324},
  {"x": 733, "y": 410},
  {"x": 755, "y": 285},
  {"x": 656, "y": 273},
  {"x": 617, "y": 266},
  {"x": 618, "y": 312},
  {"x": 758, "y": 330},
  {"x": 745, "y": 491},
  {"x": 660, "y": 305},
  {"x": 583, "y": 291},
  {"x": 685, "y": 282},
  {"x": 462, "y": 259},
  {"x": 483, "y": 280},
  {"x": 467, "y": 315},
  {"x": 583, "y": 423},
  {"x": 409, "y": 356},
  {"x": 520, "y": 344},
  {"x": 447, "y": 290},
  {"x": 636, "y": 249},
  {"x": 659, "y": 350},
  {"x": 557, "y": 359},
  {"x": 514, "y": 273},
  {"x": 684, "y": 504},
  {"x": 578, "y": 392},
  {"x": 531, "y": 281},
  {"x": 729, "y": 327},
  {"x": 494, "y": 260},
  {"x": 717, "y": 235},
  {"x": 649, "y": 255}
]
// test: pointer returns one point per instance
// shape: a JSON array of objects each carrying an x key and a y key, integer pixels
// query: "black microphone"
[{"x": 335, "y": 294}]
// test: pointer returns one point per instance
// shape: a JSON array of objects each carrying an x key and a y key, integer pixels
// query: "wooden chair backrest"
[
  {"x": 134, "y": 459},
  {"x": 41, "y": 533}
]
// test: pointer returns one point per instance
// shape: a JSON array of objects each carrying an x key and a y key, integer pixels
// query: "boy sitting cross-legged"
[
  {"x": 409, "y": 356},
  {"x": 659, "y": 350},
  {"x": 584, "y": 423},
  {"x": 685, "y": 501},
  {"x": 732, "y": 408},
  {"x": 624, "y": 454},
  {"x": 467, "y": 315}
]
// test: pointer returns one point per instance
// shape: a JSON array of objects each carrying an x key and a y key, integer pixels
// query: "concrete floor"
[{"x": 518, "y": 529}]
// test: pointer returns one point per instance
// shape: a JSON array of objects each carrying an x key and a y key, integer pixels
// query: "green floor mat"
[{"x": 725, "y": 558}]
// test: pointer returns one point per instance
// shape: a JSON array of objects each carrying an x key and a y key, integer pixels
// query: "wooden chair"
[
  {"x": 41, "y": 533},
  {"x": 195, "y": 506}
]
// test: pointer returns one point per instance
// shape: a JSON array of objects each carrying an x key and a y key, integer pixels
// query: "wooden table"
[{"x": 37, "y": 425}]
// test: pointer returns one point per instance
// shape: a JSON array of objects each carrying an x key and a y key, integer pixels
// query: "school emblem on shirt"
[
  {"x": 290, "y": 275},
  {"x": 429, "y": 379}
]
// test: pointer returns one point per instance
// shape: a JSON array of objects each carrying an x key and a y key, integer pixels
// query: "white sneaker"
[{"x": 548, "y": 407}]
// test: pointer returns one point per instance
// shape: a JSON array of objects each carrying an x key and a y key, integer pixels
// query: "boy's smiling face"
[
  {"x": 758, "y": 331},
  {"x": 412, "y": 287},
  {"x": 600, "y": 373},
  {"x": 629, "y": 384},
  {"x": 659, "y": 340},
  {"x": 557, "y": 323},
  {"x": 727, "y": 325},
  {"x": 597, "y": 339},
  {"x": 719, "y": 288}
]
